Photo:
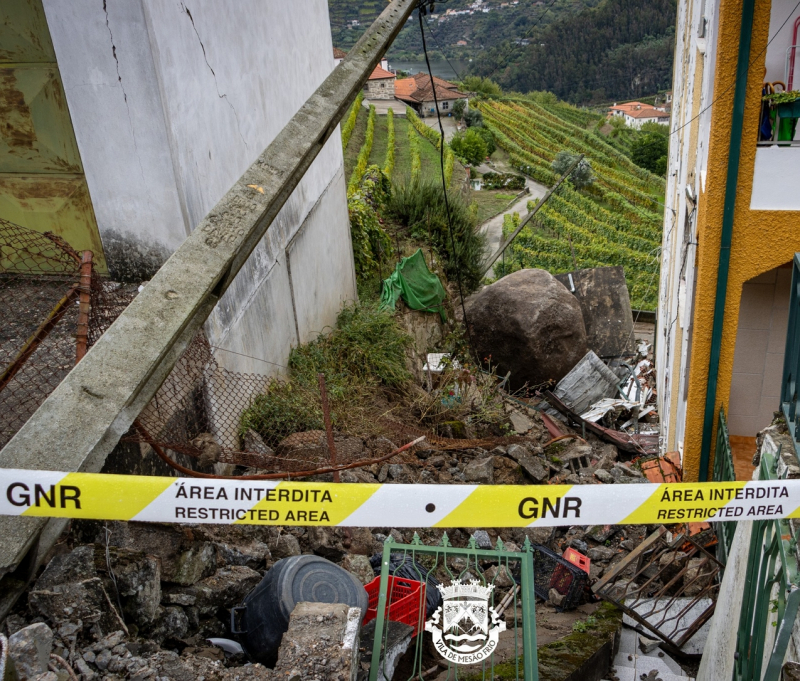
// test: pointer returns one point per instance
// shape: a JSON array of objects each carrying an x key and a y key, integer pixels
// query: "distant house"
[
  {"x": 338, "y": 56},
  {"x": 381, "y": 83},
  {"x": 417, "y": 92},
  {"x": 637, "y": 114}
]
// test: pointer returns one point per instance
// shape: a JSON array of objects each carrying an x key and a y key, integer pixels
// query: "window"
[{"x": 446, "y": 105}]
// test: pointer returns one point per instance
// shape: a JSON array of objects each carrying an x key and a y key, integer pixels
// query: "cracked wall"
[{"x": 171, "y": 102}]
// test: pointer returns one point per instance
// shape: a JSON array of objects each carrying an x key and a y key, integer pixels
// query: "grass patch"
[
  {"x": 431, "y": 164},
  {"x": 363, "y": 352},
  {"x": 378, "y": 155},
  {"x": 356, "y": 140},
  {"x": 491, "y": 203}
]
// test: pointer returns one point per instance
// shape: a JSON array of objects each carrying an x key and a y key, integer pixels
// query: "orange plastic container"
[
  {"x": 578, "y": 559},
  {"x": 406, "y": 601}
]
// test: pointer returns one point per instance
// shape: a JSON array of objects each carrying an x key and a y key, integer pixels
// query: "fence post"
[
  {"x": 85, "y": 292},
  {"x": 326, "y": 414}
]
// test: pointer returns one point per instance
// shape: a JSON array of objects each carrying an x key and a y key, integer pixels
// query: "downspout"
[{"x": 734, "y": 155}]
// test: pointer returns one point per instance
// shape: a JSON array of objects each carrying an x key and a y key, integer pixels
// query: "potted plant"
[{"x": 787, "y": 105}]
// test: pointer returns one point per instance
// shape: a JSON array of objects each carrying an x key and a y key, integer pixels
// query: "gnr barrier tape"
[
  {"x": 187, "y": 500},
  {"x": 182, "y": 500}
]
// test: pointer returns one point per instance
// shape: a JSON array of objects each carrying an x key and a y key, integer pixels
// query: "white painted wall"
[
  {"x": 775, "y": 178},
  {"x": 171, "y": 101}
]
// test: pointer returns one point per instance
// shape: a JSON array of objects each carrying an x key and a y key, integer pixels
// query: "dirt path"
[{"x": 493, "y": 228}]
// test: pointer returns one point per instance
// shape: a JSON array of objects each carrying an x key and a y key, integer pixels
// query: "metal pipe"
[
  {"x": 729, "y": 208},
  {"x": 82, "y": 344}
]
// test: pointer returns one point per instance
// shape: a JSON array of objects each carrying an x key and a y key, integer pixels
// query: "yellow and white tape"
[{"x": 187, "y": 500}]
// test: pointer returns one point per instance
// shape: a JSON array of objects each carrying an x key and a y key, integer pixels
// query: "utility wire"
[{"x": 444, "y": 181}]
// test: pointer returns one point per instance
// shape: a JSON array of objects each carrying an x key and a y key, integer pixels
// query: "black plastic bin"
[{"x": 263, "y": 618}]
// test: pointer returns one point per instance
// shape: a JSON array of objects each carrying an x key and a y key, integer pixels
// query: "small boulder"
[
  {"x": 601, "y": 553},
  {"x": 604, "y": 476},
  {"x": 324, "y": 542},
  {"x": 480, "y": 471},
  {"x": 535, "y": 469},
  {"x": 519, "y": 422},
  {"x": 499, "y": 576},
  {"x": 359, "y": 566},
  {"x": 285, "y": 545},
  {"x": 30, "y": 649},
  {"x": 555, "y": 598},
  {"x": 530, "y": 324},
  {"x": 482, "y": 539}
]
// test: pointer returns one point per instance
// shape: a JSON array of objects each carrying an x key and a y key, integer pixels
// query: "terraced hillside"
[{"x": 617, "y": 220}]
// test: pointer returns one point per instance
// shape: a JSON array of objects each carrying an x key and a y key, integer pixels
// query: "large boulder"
[{"x": 530, "y": 324}]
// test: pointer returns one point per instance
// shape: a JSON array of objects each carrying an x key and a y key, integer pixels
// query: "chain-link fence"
[{"x": 54, "y": 306}]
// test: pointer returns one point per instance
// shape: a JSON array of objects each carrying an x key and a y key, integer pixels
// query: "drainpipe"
[{"x": 734, "y": 154}]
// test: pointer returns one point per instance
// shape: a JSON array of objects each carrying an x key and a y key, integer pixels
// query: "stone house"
[
  {"x": 417, "y": 92},
  {"x": 381, "y": 83}
]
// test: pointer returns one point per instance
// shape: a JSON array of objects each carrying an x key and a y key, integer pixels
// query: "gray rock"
[
  {"x": 30, "y": 649},
  {"x": 499, "y": 576},
  {"x": 648, "y": 645},
  {"x": 138, "y": 580},
  {"x": 400, "y": 473},
  {"x": 324, "y": 542},
  {"x": 224, "y": 589},
  {"x": 601, "y": 533},
  {"x": 285, "y": 545},
  {"x": 535, "y": 469},
  {"x": 482, "y": 539},
  {"x": 627, "y": 470},
  {"x": 579, "y": 545},
  {"x": 359, "y": 540},
  {"x": 436, "y": 461},
  {"x": 555, "y": 598},
  {"x": 480, "y": 471},
  {"x": 530, "y": 324},
  {"x": 384, "y": 473},
  {"x": 601, "y": 553},
  {"x": 103, "y": 659},
  {"x": 359, "y": 566},
  {"x": 173, "y": 624},
  {"x": 519, "y": 422},
  {"x": 604, "y": 476},
  {"x": 253, "y": 442},
  {"x": 517, "y": 452}
]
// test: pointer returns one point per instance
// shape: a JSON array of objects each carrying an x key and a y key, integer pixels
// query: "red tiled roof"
[
  {"x": 381, "y": 74},
  {"x": 338, "y": 53},
  {"x": 639, "y": 110},
  {"x": 418, "y": 89}
]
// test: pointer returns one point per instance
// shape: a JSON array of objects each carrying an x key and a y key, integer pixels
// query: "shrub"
[
  {"x": 459, "y": 108},
  {"x": 581, "y": 177},
  {"x": 364, "y": 152},
  {"x": 421, "y": 208},
  {"x": 416, "y": 159},
  {"x": 350, "y": 124},
  {"x": 364, "y": 203},
  {"x": 488, "y": 137},
  {"x": 470, "y": 146},
  {"x": 483, "y": 86},
  {"x": 365, "y": 350},
  {"x": 388, "y": 167},
  {"x": 503, "y": 181},
  {"x": 473, "y": 118},
  {"x": 650, "y": 149}
]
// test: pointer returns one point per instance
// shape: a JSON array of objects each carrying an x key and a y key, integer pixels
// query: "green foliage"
[
  {"x": 435, "y": 138},
  {"x": 365, "y": 350},
  {"x": 620, "y": 49},
  {"x": 350, "y": 124},
  {"x": 482, "y": 86},
  {"x": 782, "y": 97},
  {"x": 364, "y": 152},
  {"x": 488, "y": 137},
  {"x": 650, "y": 149},
  {"x": 612, "y": 221},
  {"x": 458, "y": 109},
  {"x": 416, "y": 160},
  {"x": 581, "y": 177},
  {"x": 421, "y": 208},
  {"x": 503, "y": 181},
  {"x": 388, "y": 167},
  {"x": 364, "y": 203},
  {"x": 470, "y": 146},
  {"x": 473, "y": 118}
]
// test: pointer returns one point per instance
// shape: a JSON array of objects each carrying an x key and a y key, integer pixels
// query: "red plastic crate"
[
  {"x": 578, "y": 559},
  {"x": 405, "y": 598}
]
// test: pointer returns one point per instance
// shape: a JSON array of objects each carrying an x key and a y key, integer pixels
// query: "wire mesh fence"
[{"x": 53, "y": 306}]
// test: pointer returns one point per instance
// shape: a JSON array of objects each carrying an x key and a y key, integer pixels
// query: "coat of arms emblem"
[{"x": 465, "y": 629}]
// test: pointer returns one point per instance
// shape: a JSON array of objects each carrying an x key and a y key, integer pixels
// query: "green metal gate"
[
  {"x": 724, "y": 472},
  {"x": 492, "y": 571}
]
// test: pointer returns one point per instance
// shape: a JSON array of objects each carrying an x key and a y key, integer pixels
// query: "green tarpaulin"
[{"x": 416, "y": 284}]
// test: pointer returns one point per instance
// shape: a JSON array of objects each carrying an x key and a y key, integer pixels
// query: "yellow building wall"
[{"x": 761, "y": 241}]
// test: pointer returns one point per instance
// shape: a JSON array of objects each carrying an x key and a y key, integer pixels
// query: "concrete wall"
[
  {"x": 171, "y": 102},
  {"x": 758, "y": 358}
]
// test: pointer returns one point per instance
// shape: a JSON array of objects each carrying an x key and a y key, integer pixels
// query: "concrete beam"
[{"x": 84, "y": 417}]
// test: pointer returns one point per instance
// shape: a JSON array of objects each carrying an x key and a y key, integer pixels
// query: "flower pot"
[{"x": 789, "y": 109}]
